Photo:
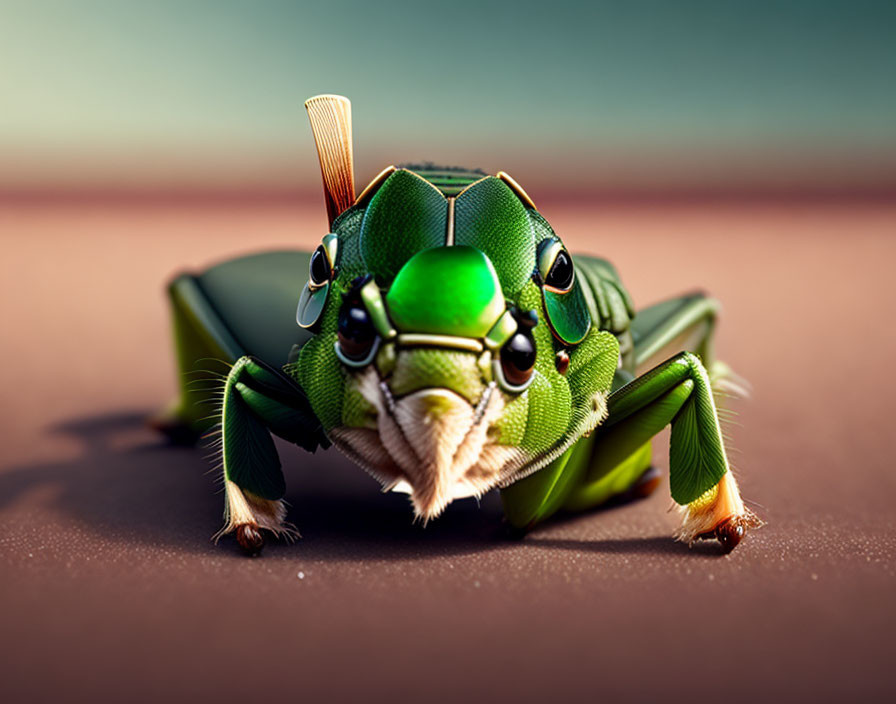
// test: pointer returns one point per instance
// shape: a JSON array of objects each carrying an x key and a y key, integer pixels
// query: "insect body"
[{"x": 449, "y": 344}]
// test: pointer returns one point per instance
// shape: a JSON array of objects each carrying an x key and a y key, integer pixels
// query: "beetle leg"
[
  {"x": 674, "y": 325},
  {"x": 259, "y": 400},
  {"x": 678, "y": 391}
]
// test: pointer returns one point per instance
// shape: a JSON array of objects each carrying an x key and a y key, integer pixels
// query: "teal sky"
[{"x": 622, "y": 92}]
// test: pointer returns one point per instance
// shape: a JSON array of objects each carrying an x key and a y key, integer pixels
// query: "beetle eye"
[
  {"x": 561, "y": 272},
  {"x": 518, "y": 358},
  {"x": 355, "y": 331},
  {"x": 320, "y": 271},
  {"x": 562, "y": 294}
]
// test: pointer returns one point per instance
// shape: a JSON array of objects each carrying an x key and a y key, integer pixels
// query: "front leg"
[
  {"x": 257, "y": 400},
  {"x": 679, "y": 391}
]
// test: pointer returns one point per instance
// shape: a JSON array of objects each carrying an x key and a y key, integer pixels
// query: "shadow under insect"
[{"x": 127, "y": 486}]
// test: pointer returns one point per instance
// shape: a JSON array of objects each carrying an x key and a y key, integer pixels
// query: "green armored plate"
[
  {"x": 256, "y": 298},
  {"x": 407, "y": 214},
  {"x": 446, "y": 291}
]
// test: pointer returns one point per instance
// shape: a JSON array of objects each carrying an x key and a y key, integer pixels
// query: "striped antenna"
[{"x": 331, "y": 124}]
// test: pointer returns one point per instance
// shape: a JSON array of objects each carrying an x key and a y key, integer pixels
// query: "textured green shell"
[
  {"x": 490, "y": 216},
  {"x": 406, "y": 215}
]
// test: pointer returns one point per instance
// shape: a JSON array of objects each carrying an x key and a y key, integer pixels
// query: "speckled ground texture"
[{"x": 110, "y": 588}]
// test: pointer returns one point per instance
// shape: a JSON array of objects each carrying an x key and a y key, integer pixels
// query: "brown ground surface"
[{"x": 110, "y": 588}]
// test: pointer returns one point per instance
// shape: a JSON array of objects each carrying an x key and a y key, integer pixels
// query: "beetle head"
[{"x": 454, "y": 350}]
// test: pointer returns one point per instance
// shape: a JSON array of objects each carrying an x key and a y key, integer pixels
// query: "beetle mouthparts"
[{"x": 432, "y": 443}]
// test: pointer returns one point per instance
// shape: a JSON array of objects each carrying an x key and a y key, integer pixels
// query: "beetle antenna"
[{"x": 331, "y": 124}]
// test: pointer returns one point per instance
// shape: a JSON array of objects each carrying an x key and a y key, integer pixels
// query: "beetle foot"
[
  {"x": 719, "y": 514},
  {"x": 731, "y": 531},
  {"x": 248, "y": 515},
  {"x": 250, "y": 538}
]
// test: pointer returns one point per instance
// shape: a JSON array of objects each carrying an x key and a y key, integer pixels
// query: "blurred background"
[
  {"x": 746, "y": 148},
  {"x": 602, "y": 98}
]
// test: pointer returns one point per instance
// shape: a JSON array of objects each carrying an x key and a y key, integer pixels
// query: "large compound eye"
[
  {"x": 560, "y": 274},
  {"x": 518, "y": 354},
  {"x": 564, "y": 302},
  {"x": 357, "y": 336},
  {"x": 518, "y": 359},
  {"x": 320, "y": 270},
  {"x": 355, "y": 330},
  {"x": 555, "y": 265}
]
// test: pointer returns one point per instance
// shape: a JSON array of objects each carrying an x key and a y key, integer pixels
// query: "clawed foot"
[
  {"x": 718, "y": 515},
  {"x": 250, "y": 538},
  {"x": 731, "y": 531},
  {"x": 247, "y": 516}
]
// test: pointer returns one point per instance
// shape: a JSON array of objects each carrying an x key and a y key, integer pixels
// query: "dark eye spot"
[
  {"x": 518, "y": 357},
  {"x": 320, "y": 271},
  {"x": 560, "y": 275},
  {"x": 355, "y": 329}
]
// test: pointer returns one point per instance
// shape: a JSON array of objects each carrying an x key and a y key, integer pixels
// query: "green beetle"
[{"x": 449, "y": 344}]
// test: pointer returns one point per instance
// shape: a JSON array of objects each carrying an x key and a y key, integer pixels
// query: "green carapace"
[{"x": 444, "y": 338}]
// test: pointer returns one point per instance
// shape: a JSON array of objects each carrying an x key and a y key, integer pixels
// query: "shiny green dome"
[{"x": 446, "y": 291}]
